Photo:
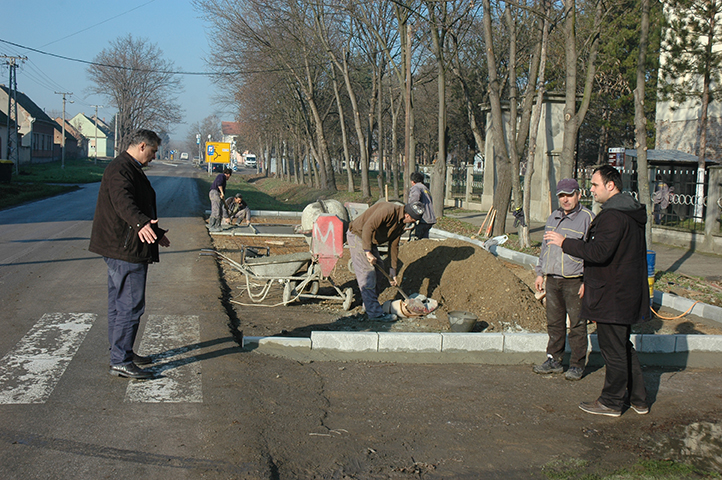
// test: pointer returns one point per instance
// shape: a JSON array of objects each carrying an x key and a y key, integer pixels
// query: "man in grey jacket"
[
  {"x": 564, "y": 286},
  {"x": 420, "y": 193}
]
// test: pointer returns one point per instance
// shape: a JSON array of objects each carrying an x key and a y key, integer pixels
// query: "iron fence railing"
[{"x": 673, "y": 193}]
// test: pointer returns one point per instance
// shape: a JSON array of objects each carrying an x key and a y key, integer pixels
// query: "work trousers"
[
  {"x": 126, "y": 304},
  {"x": 623, "y": 377},
  {"x": 365, "y": 274},
  {"x": 422, "y": 230},
  {"x": 562, "y": 299},
  {"x": 216, "y": 207}
]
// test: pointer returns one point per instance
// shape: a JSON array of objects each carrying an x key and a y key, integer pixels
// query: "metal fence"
[
  {"x": 673, "y": 193},
  {"x": 460, "y": 179}
]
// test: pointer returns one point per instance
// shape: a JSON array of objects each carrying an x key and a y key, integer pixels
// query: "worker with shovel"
[
  {"x": 564, "y": 287},
  {"x": 383, "y": 222}
]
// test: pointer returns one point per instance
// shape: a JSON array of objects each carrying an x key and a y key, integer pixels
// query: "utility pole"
[
  {"x": 96, "y": 132},
  {"x": 13, "y": 143},
  {"x": 62, "y": 157}
]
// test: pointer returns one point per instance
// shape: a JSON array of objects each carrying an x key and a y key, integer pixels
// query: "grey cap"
[
  {"x": 415, "y": 210},
  {"x": 567, "y": 186}
]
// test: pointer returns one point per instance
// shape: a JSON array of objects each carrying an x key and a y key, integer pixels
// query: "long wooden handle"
[{"x": 388, "y": 277}]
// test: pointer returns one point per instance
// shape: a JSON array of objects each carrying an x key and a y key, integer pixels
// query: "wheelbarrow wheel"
[
  {"x": 289, "y": 291},
  {"x": 348, "y": 298}
]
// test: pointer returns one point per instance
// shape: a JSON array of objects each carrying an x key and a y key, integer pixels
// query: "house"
[
  {"x": 35, "y": 126},
  {"x": 86, "y": 126},
  {"x": 4, "y": 134},
  {"x": 76, "y": 145},
  {"x": 231, "y": 133}
]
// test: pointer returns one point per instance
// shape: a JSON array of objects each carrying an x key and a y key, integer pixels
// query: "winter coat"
[
  {"x": 126, "y": 203},
  {"x": 420, "y": 193},
  {"x": 616, "y": 289},
  {"x": 381, "y": 223}
]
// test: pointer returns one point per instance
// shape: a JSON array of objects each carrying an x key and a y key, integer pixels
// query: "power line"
[
  {"x": 120, "y": 67},
  {"x": 99, "y": 23}
]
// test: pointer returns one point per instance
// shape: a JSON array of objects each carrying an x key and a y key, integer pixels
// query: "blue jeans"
[{"x": 126, "y": 304}]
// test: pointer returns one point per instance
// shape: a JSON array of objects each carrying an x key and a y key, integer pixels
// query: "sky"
[{"x": 80, "y": 29}]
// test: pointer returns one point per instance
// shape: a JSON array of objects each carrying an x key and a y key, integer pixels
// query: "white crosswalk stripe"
[
  {"x": 30, "y": 372},
  {"x": 172, "y": 340}
]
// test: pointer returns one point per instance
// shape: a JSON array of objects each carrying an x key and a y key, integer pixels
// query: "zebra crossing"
[{"x": 33, "y": 368}]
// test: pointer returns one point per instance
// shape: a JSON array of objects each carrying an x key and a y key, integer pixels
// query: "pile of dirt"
[{"x": 462, "y": 276}]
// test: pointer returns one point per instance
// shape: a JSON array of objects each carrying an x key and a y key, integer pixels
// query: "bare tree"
[
  {"x": 209, "y": 126},
  {"x": 573, "y": 116},
  {"x": 640, "y": 122},
  {"x": 135, "y": 78}
]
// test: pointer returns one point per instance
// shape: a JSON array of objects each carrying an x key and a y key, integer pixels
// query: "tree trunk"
[
  {"x": 344, "y": 138},
  {"x": 524, "y": 238},
  {"x": 438, "y": 30},
  {"x": 573, "y": 118},
  {"x": 501, "y": 155},
  {"x": 640, "y": 123}
]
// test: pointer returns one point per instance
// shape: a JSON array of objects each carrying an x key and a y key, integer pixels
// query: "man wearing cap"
[
  {"x": 383, "y": 222},
  {"x": 564, "y": 286},
  {"x": 236, "y": 208}
]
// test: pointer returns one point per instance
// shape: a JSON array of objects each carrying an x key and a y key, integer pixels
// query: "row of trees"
[
  {"x": 342, "y": 82},
  {"x": 413, "y": 81}
]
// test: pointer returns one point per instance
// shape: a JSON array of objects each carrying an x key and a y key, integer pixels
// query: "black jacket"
[
  {"x": 616, "y": 289},
  {"x": 126, "y": 203}
]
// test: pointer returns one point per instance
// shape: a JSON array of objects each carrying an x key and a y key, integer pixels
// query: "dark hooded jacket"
[
  {"x": 614, "y": 251},
  {"x": 126, "y": 202}
]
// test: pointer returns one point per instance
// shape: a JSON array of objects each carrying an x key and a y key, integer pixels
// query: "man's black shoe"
[
  {"x": 141, "y": 360},
  {"x": 130, "y": 370}
]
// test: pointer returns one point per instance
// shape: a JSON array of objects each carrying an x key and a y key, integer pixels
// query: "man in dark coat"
[
  {"x": 616, "y": 290},
  {"x": 126, "y": 233}
]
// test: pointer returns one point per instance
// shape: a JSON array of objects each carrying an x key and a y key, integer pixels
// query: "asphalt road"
[{"x": 219, "y": 412}]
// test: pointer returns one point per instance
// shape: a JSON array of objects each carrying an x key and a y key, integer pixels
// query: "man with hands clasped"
[{"x": 564, "y": 287}]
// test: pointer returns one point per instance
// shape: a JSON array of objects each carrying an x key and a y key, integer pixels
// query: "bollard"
[{"x": 651, "y": 257}]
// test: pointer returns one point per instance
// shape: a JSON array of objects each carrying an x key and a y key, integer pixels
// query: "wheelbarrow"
[{"x": 297, "y": 271}]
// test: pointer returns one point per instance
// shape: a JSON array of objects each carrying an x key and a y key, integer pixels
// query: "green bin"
[{"x": 6, "y": 171}]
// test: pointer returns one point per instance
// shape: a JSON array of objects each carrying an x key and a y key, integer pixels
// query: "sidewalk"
[{"x": 668, "y": 258}]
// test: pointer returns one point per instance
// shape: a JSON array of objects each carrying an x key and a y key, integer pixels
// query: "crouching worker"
[
  {"x": 236, "y": 211},
  {"x": 383, "y": 222}
]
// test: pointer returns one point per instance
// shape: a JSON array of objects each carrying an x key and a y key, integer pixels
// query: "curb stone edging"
[{"x": 414, "y": 342}]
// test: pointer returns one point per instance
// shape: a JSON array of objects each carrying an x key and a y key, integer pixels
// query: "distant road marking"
[
  {"x": 30, "y": 372},
  {"x": 171, "y": 340}
]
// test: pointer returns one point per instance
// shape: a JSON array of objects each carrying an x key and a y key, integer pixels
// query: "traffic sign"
[{"x": 218, "y": 152}]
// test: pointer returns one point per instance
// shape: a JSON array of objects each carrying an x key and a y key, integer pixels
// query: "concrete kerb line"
[{"x": 509, "y": 344}]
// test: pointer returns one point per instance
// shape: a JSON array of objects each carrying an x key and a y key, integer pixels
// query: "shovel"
[{"x": 412, "y": 304}]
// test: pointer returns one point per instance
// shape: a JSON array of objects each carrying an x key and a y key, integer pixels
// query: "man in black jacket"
[
  {"x": 126, "y": 233},
  {"x": 616, "y": 291}
]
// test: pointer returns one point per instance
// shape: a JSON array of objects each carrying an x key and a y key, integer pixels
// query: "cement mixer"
[{"x": 318, "y": 208}]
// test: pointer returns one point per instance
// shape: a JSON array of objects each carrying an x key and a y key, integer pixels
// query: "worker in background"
[
  {"x": 382, "y": 223},
  {"x": 216, "y": 195},
  {"x": 236, "y": 208},
  {"x": 420, "y": 193},
  {"x": 564, "y": 286}
]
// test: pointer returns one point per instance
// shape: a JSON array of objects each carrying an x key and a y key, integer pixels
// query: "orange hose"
[{"x": 678, "y": 316}]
